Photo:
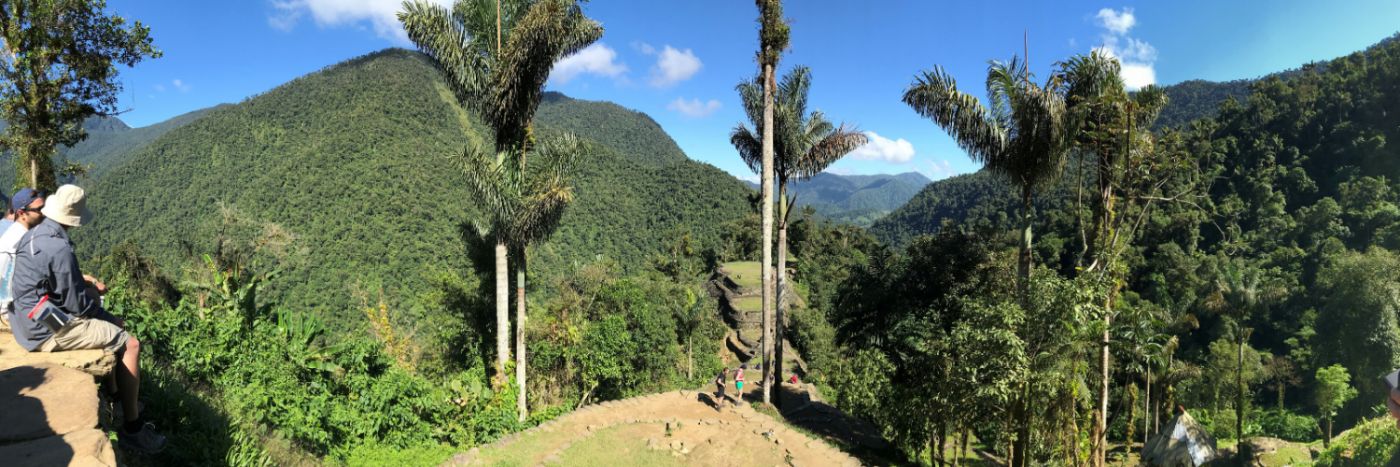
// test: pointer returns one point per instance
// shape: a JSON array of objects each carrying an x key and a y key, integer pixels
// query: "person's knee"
[{"x": 133, "y": 346}]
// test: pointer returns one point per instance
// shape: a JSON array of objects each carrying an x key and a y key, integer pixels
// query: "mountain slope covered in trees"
[
  {"x": 1299, "y": 180},
  {"x": 346, "y": 181}
]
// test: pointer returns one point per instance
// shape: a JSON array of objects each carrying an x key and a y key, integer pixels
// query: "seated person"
[{"x": 46, "y": 269}]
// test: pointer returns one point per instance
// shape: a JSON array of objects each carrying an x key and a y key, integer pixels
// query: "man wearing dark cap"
[
  {"x": 23, "y": 213},
  {"x": 46, "y": 276}
]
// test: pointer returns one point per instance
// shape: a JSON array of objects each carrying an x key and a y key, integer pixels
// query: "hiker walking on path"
[
  {"x": 739, "y": 381},
  {"x": 48, "y": 283},
  {"x": 719, "y": 388}
]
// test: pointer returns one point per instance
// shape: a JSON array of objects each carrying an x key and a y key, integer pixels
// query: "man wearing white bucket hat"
[{"x": 54, "y": 311}]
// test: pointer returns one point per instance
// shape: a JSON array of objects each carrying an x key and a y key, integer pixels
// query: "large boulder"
[
  {"x": 1182, "y": 443},
  {"x": 48, "y": 416},
  {"x": 93, "y": 362},
  {"x": 88, "y": 447}
]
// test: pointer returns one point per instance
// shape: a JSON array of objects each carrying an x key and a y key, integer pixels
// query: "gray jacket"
[{"x": 45, "y": 265}]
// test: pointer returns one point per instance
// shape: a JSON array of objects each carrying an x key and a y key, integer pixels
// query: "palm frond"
[
  {"x": 454, "y": 50},
  {"x": 749, "y": 146},
  {"x": 935, "y": 95},
  {"x": 833, "y": 146}
]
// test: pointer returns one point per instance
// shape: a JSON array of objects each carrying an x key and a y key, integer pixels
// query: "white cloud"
[
  {"x": 694, "y": 108},
  {"x": 674, "y": 66},
  {"x": 1137, "y": 76},
  {"x": 382, "y": 15},
  {"x": 180, "y": 85},
  {"x": 597, "y": 59},
  {"x": 160, "y": 87},
  {"x": 885, "y": 149},
  {"x": 1117, "y": 22},
  {"x": 1138, "y": 58},
  {"x": 643, "y": 47},
  {"x": 939, "y": 169}
]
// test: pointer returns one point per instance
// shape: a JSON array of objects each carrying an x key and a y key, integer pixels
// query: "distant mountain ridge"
[
  {"x": 1194, "y": 99},
  {"x": 856, "y": 199},
  {"x": 109, "y": 140}
]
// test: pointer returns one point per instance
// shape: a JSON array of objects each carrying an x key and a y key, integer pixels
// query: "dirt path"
[{"x": 673, "y": 428}]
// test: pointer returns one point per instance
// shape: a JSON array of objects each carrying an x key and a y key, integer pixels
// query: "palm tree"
[
  {"x": 1241, "y": 291},
  {"x": 502, "y": 81},
  {"x": 1143, "y": 339},
  {"x": 1020, "y": 135},
  {"x": 804, "y": 145},
  {"x": 773, "y": 39},
  {"x": 1110, "y": 128}
]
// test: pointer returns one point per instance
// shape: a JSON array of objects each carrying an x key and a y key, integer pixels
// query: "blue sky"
[{"x": 678, "y": 61}]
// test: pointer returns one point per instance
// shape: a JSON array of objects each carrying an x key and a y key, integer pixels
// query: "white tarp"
[{"x": 1182, "y": 443}]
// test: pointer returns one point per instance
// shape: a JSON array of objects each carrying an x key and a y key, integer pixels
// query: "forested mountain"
[
  {"x": 349, "y": 174},
  {"x": 1299, "y": 180},
  {"x": 629, "y": 132},
  {"x": 1195, "y": 99},
  {"x": 109, "y": 139},
  {"x": 856, "y": 199}
]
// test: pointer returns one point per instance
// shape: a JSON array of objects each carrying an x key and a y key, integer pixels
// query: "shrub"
[
  {"x": 1287, "y": 425},
  {"x": 1374, "y": 442}
]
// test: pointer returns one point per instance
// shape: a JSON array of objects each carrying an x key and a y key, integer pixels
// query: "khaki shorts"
[{"x": 87, "y": 333}]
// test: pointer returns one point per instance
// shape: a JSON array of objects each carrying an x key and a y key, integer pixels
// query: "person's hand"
[
  {"x": 1393, "y": 403},
  {"x": 96, "y": 284}
]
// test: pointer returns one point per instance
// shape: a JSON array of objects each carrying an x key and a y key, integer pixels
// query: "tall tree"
[
  {"x": 772, "y": 41},
  {"x": 1020, "y": 135},
  {"x": 804, "y": 145},
  {"x": 1111, "y": 129},
  {"x": 502, "y": 80},
  {"x": 58, "y": 69},
  {"x": 1241, "y": 291},
  {"x": 1333, "y": 391}
]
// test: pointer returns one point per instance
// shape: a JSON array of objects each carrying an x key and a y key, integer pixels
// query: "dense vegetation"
[
  {"x": 341, "y": 154},
  {"x": 1285, "y": 251},
  {"x": 306, "y": 272}
]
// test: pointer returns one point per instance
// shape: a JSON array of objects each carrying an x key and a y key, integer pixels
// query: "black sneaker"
[{"x": 145, "y": 440}]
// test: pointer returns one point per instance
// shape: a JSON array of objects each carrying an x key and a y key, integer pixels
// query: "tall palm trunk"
[
  {"x": 523, "y": 412},
  {"x": 1101, "y": 412},
  {"x": 778, "y": 325},
  {"x": 502, "y": 311},
  {"x": 1023, "y": 266},
  {"x": 1147, "y": 407},
  {"x": 767, "y": 266},
  {"x": 1239, "y": 401}
]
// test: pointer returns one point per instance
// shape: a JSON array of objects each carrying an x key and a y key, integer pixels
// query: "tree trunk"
[
  {"x": 780, "y": 323},
  {"x": 962, "y": 447},
  {"x": 1023, "y": 265},
  {"x": 689, "y": 359},
  {"x": 1128, "y": 408},
  {"x": 1147, "y": 406},
  {"x": 1327, "y": 440},
  {"x": 767, "y": 266},
  {"x": 502, "y": 312},
  {"x": 1023, "y": 429},
  {"x": 1239, "y": 402},
  {"x": 34, "y": 171},
  {"x": 523, "y": 412},
  {"x": 1101, "y": 413}
]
